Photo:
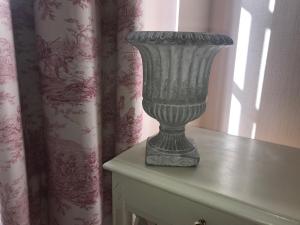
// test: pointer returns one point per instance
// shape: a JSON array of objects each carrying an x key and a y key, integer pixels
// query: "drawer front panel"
[{"x": 165, "y": 208}]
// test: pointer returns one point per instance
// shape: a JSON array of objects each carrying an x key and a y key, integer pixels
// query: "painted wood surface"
[{"x": 250, "y": 179}]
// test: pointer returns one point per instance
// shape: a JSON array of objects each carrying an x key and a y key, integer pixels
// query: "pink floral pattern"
[
  {"x": 11, "y": 141},
  {"x": 47, "y": 8},
  {"x": 82, "y": 3},
  {"x": 70, "y": 96},
  {"x": 14, "y": 202},
  {"x": 7, "y": 61},
  {"x": 74, "y": 174},
  {"x": 5, "y": 14}
]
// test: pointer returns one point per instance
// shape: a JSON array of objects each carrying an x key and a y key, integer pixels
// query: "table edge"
[{"x": 207, "y": 197}]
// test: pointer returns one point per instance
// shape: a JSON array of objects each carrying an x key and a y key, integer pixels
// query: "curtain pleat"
[{"x": 70, "y": 98}]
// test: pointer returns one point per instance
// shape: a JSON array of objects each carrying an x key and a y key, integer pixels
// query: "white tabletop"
[{"x": 248, "y": 178}]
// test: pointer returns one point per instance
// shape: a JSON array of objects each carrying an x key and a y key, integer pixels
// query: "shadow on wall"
[
  {"x": 250, "y": 65},
  {"x": 257, "y": 95}
]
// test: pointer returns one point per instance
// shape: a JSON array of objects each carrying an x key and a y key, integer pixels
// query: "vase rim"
[{"x": 178, "y": 38}]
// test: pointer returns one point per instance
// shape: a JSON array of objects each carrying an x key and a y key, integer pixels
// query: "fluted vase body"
[{"x": 176, "y": 68}]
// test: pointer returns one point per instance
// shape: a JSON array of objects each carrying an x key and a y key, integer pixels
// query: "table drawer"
[{"x": 165, "y": 208}]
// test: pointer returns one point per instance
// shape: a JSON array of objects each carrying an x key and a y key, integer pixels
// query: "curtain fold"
[{"x": 70, "y": 98}]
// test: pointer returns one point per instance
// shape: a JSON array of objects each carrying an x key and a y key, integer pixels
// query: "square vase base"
[{"x": 155, "y": 157}]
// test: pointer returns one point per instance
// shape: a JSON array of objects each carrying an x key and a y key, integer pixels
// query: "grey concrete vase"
[{"x": 176, "y": 68}]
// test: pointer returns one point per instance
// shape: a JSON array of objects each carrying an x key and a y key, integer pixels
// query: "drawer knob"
[{"x": 200, "y": 222}]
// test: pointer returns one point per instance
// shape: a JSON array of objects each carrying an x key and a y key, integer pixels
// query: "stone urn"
[{"x": 176, "y": 68}]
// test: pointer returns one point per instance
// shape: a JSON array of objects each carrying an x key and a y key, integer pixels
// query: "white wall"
[
  {"x": 277, "y": 118},
  {"x": 194, "y": 15},
  {"x": 160, "y": 15}
]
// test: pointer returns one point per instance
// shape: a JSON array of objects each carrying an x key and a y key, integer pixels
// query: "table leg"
[{"x": 121, "y": 215}]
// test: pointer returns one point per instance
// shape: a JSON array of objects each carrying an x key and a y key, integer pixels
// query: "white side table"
[{"x": 239, "y": 181}]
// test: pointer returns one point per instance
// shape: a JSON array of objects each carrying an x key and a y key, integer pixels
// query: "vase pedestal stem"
[{"x": 170, "y": 147}]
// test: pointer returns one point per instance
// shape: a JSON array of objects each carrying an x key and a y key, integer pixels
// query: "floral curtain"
[{"x": 70, "y": 92}]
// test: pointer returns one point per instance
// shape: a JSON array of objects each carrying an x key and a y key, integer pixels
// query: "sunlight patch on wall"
[
  {"x": 262, "y": 67},
  {"x": 242, "y": 48},
  {"x": 235, "y": 116},
  {"x": 271, "y": 5},
  {"x": 253, "y": 130},
  {"x": 240, "y": 69}
]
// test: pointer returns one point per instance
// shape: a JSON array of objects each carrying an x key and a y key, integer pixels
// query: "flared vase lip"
[{"x": 178, "y": 38}]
